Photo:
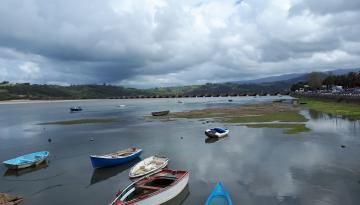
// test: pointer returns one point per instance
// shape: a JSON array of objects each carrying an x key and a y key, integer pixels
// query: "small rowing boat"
[
  {"x": 157, "y": 188},
  {"x": 217, "y": 132},
  {"x": 148, "y": 165},
  {"x": 75, "y": 109},
  {"x": 27, "y": 160},
  {"x": 115, "y": 158},
  {"x": 160, "y": 113},
  {"x": 218, "y": 196}
]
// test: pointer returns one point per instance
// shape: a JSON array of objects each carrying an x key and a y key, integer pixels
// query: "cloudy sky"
[{"x": 145, "y": 43}]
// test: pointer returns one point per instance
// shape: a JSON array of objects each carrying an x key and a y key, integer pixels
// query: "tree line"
[
  {"x": 351, "y": 80},
  {"x": 317, "y": 80}
]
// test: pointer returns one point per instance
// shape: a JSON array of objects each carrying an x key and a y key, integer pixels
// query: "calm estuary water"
[{"x": 256, "y": 166}]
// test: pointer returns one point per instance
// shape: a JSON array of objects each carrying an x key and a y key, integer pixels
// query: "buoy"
[
  {"x": 181, "y": 137},
  {"x": 343, "y": 146},
  {"x": 49, "y": 140}
]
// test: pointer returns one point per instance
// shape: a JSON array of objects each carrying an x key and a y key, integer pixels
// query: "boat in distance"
[
  {"x": 217, "y": 132},
  {"x": 115, "y": 158},
  {"x": 218, "y": 196},
  {"x": 157, "y": 188},
  {"x": 148, "y": 166},
  {"x": 160, "y": 113},
  {"x": 75, "y": 109},
  {"x": 27, "y": 160}
]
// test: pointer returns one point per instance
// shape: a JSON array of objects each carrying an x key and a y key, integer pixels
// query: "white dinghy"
[
  {"x": 217, "y": 132},
  {"x": 148, "y": 165}
]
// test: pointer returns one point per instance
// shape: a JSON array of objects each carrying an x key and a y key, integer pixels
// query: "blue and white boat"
[
  {"x": 27, "y": 160},
  {"x": 115, "y": 158},
  {"x": 218, "y": 196},
  {"x": 217, "y": 132}
]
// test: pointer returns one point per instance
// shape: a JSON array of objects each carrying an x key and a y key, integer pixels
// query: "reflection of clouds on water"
[
  {"x": 20, "y": 131},
  {"x": 259, "y": 165}
]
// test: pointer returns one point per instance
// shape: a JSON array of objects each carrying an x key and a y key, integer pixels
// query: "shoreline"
[
  {"x": 14, "y": 102},
  {"x": 27, "y": 101}
]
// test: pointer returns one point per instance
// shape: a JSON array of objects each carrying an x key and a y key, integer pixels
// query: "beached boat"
[
  {"x": 154, "y": 189},
  {"x": 160, "y": 113},
  {"x": 115, "y": 158},
  {"x": 75, "y": 109},
  {"x": 218, "y": 196},
  {"x": 27, "y": 160},
  {"x": 217, "y": 132},
  {"x": 148, "y": 165}
]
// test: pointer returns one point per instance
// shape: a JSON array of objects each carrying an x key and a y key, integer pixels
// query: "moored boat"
[
  {"x": 115, "y": 158},
  {"x": 157, "y": 188},
  {"x": 27, "y": 160},
  {"x": 148, "y": 165},
  {"x": 75, "y": 109},
  {"x": 160, "y": 113},
  {"x": 218, "y": 196},
  {"x": 217, "y": 132}
]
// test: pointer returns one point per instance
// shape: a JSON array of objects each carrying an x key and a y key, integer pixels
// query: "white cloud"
[{"x": 152, "y": 43}]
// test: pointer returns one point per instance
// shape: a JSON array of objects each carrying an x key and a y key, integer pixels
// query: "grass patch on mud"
[
  {"x": 288, "y": 128},
  {"x": 348, "y": 110},
  {"x": 261, "y": 115},
  {"x": 269, "y": 117}
]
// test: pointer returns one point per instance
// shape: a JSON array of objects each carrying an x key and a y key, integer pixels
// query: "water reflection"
[
  {"x": 316, "y": 114},
  {"x": 215, "y": 139},
  {"x": 102, "y": 174},
  {"x": 320, "y": 122},
  {"x": 20, "y": 172}
]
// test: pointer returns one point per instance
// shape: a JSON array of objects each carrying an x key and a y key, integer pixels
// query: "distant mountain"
[
  {"x": 295, "y": 77},
  {"x": 271, "y": 78},
  {"x": 270, "y": 85}
]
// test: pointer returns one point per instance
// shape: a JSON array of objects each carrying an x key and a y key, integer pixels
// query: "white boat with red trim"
[{"x": 154, "y": 189}]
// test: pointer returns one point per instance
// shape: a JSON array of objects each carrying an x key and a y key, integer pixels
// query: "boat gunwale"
[{"x": 108, "y": 156}]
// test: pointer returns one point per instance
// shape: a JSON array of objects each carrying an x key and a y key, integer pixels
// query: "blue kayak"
[
  {"x": 115, "y": 158},
  {"x": 218, "y": 196},
  {"x": 27, "y": 160}
]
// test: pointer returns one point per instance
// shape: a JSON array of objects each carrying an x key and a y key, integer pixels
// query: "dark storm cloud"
[{"x": 158, "y": 43}]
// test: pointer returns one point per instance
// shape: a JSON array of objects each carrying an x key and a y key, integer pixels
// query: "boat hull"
[
  {"x": 99, "y": 162},
  {"x": 23, "y": 166},
  {"x": 44, "y": 156},
  {"x": 161, "y": 113},
  {"x": 166, "y": 195},
  {"x": 211, "y": 134},
  {"x": 161, "y": 196}
]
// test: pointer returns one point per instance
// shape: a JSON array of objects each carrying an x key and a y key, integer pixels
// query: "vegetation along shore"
[{"x": 348, "y": 110}]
